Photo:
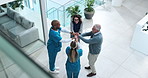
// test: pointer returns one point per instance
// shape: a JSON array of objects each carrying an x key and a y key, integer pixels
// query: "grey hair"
[{"x": 97, "y": 26}]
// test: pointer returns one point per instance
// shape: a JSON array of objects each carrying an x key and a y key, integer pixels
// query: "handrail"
[
  {"x": 50, "y": 9},
  {"x": 53, "y": 2},
  {"x": 63, "y": 7}
]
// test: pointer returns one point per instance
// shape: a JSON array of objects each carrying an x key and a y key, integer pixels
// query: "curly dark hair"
[{"x": 78, "y": 16}]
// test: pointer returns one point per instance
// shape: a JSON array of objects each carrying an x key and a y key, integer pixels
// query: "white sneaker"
[
  {"x": 55, "y": 72},
  {"x": 57, "y": 68}
]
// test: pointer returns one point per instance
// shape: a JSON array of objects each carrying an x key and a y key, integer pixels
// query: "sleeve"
[
  {"x": 81, "y": 27},
  {"x": 86, "y": 34},
  {"x": 63, "y": 29},
  {"x": 67, "y": 50},
  {"x": 80, "y": 51},
  {"x": 65, "y": 40},
  {"x": 89, "y": 41},
  {"x": 56, "y": 37},
  {"x": 79, "y": 46},
  {"x": 71, "y": 27}
]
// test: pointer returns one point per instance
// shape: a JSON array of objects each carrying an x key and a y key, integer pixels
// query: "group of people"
[{"x": 74, "y": 51}]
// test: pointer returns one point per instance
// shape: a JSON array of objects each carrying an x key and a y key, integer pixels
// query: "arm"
[
  {"x": 86, "y": 34},
  {"x": 65, "y": 41},
  {"x": 81, "y": 27},
  {"x": 63, "y": 29},
  {"x": 71, "y": 27},
  {"x": 55, "y": 37},
  {"x": 67, "y": 50},
  {"x": 79, "y": 46},
  {"x": 80, "y": 51},
  {"x": 89, "y": 41}
]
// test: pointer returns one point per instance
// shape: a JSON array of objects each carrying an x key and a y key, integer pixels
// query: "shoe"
[
  {"x": 87, "y": 67},
  {"x": 57, "y": 68},
  {"x": 54, "y": 72},
  {"x": 91, "y": 74}
]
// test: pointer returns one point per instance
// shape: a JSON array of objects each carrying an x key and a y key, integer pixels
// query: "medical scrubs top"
[
  {"x": 73, "y": 66},
  {"x": 54, "y": 44}
]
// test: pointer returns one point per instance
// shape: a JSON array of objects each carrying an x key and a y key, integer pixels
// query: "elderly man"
[{"x": 95, "y": 43}]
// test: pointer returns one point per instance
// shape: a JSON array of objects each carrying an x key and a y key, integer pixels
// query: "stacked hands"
[{"x": 75, "y": 36}]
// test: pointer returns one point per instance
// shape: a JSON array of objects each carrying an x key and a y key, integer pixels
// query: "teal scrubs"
[
  {"x": 73, "y": 67},
  {"x": 54, "y": 46}
]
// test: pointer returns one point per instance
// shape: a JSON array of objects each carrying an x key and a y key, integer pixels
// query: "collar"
[
  {"x": 53, "y": 30},
  {"x": 97, "y": 33}
]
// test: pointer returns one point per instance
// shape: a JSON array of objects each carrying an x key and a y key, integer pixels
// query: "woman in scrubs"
[{"x": 73, "y": 61}]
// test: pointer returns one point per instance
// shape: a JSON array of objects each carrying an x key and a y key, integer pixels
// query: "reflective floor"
[{"x": 117, "y": 59}]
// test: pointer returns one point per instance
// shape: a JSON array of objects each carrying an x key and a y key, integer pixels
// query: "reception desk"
[{"x": 140, "y": 38}]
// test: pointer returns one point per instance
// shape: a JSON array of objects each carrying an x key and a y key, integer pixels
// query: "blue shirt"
[
  {"x": 95, "y": 41},
  {"x": 54, "y": 44},
  {"x": 73, "y": 66}
]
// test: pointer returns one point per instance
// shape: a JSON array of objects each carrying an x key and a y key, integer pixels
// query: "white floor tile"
[
  {"x": 15, "y": 72},
  {"x": 2, "y": 74},
  {"x": 132, "y": 3},
  {"x": 123, "y": 73},
  {"x": 6, "y": 61},
  {"x": 124, "y": 40},
  {"x": 105, "y": 67},
  {"x": 140, "y": 10},
  {"x": 116, "y": 54},
  {"x": 38, "y": 57},
  {"x": 24, "y": 75},
  {"x": 1, "y": 66},
  {"x": 116, "y": 60},
  {"x": 33, "y": 47},
  {"x": 128, "y": 15},
  {"x": 137, "y": 63}
]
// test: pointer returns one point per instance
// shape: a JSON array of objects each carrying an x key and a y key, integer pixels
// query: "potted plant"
[
  {"x": 73, "y": 10},
  {"x": 16, "y": 4},
  {"x": 89, "y": 10}
]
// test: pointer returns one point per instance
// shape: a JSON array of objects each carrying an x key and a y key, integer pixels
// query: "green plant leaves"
[
  {"x": 73, "y": 10},
  {"x": 16, "y": 4},
  {"x": 89, "y": 5}
]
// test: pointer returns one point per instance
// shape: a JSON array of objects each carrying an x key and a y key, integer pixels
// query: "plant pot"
[{"x": 88, "y": 15}]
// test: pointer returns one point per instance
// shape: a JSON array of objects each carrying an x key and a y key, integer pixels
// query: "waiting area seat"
[{"x": 21, "y": 30}]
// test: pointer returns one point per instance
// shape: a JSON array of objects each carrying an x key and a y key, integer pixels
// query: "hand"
[
  {"x": 73, "y": 38},
  {"x": 76, "y": 38},
  {"x": 72, "y": 33},
  {"x": 77, "y": 34}
]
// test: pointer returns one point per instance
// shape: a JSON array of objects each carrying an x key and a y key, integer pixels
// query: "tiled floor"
[
  {"x": 8, "y": 68},
  {"x": 117, "y": 59}
]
